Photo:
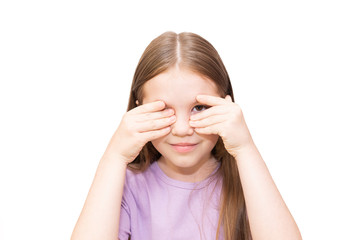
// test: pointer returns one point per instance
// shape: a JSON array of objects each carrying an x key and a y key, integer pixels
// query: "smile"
[{"x": 182, "y": 148}]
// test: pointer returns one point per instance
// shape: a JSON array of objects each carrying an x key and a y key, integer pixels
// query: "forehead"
[{"x": 178, "y": 86}]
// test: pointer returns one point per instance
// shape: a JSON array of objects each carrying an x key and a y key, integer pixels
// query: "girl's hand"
[
  {"x": 139, "y": 126},
  {"x": 224, "y": 118}
]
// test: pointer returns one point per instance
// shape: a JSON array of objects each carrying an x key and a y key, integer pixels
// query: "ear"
[{"x": 137, "y": 102}]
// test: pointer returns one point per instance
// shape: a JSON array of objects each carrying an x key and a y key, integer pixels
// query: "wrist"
[
  {"x": 245, "y": 150},
  {"x": 117, "y": 158}
]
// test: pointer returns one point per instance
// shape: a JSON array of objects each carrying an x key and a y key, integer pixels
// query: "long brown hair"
[{"x": 193, "y": 52}]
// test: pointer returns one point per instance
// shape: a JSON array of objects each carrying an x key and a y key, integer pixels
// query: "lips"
[
  {"x": 184, "y": 144},
  {"x": 184, "y": 147}
]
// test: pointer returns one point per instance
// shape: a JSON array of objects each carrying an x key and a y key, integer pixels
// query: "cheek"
[
  {"x": 158, "y": 142},
  {"x": 210, "y": 137},
  {"x": 210, "y": 140}
]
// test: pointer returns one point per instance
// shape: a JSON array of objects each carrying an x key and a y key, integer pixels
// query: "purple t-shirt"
[{"x": 155, "y": 206}]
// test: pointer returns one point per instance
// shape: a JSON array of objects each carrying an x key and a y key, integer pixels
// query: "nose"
[{"x": 181, "y": 126}]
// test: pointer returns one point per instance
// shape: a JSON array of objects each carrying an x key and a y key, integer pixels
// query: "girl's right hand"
[{"x": 139, "y": 126}]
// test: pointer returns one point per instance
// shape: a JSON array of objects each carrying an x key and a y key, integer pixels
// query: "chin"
[{"x": 182, "y": 161}]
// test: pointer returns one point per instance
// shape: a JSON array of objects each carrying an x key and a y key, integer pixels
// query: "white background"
[{"x": 66, "y": 69}]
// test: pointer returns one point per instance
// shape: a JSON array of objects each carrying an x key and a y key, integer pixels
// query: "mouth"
[{"x": 183, "y": 147}]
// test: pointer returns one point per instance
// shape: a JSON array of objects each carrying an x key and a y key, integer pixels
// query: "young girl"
[{"x": 182, "y": 163}]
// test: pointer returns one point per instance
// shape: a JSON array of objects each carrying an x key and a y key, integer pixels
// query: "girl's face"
[{"x": 178, "y": 88}]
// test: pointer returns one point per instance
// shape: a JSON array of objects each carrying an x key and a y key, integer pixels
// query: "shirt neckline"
[{"x": 181, "y": 184}]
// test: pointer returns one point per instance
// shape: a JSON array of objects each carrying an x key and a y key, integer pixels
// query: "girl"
[{"x": 182, "y": 163}]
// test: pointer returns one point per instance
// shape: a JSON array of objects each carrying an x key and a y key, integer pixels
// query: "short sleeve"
[{"x": 124, "y": 226}]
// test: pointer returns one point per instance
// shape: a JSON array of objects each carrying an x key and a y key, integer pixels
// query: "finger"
[
  {"x": 156, "y": 124},
  {"x": 208, "y": 121},
  {"x": 211, "y": 100},
  {"x": 216, "y": 110},
  {"x": 152, "y": 135},
  {"x": 149, "y": 107},
  {"x": 155, "y": 115},
  {"x": 213, "y": 129}
]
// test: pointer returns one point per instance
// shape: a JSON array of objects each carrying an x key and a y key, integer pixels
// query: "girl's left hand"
[{"x": 224, "y": 118}]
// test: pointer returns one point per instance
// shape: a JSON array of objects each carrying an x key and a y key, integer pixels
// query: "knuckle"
[
  {"x": 147, "y": 115},
  {"x": 152, "y": 124}
]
